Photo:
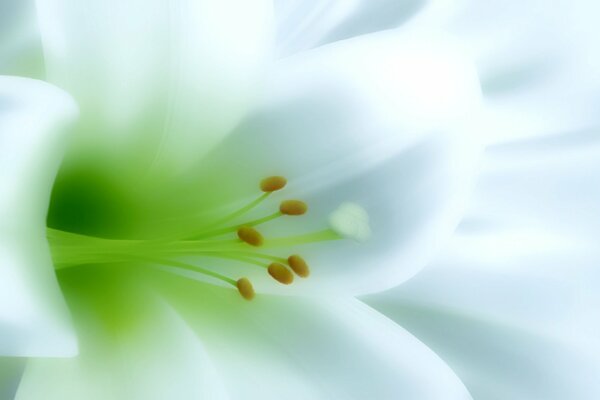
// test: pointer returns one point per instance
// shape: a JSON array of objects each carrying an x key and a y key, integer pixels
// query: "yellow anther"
[
  {"x": 250, "y": 236},
  {"x": 293, "y": 207},
  {"x": 272, "y": 183},
  {"x": 245, "y": 288},
  {"x": 280, "y": 273},
  {"x": 298, "y": 265}
]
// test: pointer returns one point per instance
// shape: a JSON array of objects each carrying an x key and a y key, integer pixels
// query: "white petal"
[
  {"x": 33, "y": 122},
  {"x": 302, "y": 25},
  {"x": 305, "y": 24},
  {"x": 320, "y": 348},
  {"x": 506, "y": 334},
  {"x": 159, "y": 82},
  {"x": 541, "y": 74},
  {"x": 535, "y": 213},
  {"x": 160, "y": 358},
  {"x": 512, "y": 302},
  {"x": 382, "y": 121},
  {"x": 414, "y": 202}
]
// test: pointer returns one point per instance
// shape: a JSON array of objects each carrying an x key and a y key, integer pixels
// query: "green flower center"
[{"x": 230, "y": 236}]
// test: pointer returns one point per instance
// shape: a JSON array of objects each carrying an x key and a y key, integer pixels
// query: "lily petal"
[
  {"x": 511, "y": 303},
  {"x": 306, "y": 24},
  {"x": 302, "y": 25},
  {"x": 159, "y": 82},
  {"x": 158, "y": 357},
  {"x": 33, "y": 121},
  {"x": 297, "y": 348},
  {"x": 506, "y": 334},
  {"x": 383, "y": 121},
  {"x": 539, "y": 77}
]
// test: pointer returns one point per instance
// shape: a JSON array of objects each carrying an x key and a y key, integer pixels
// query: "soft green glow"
[{"x": 75, "y": 250}]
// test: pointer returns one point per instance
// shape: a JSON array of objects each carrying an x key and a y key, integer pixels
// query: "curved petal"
[
  {"x": 33, "y": 121},
  {"x": 158, "y": 357},
  {"x": 303, "y": 25},
  {"x": 512, "y": 302},
  {"x": 383, "y": 121},
  {"x": 300, "y": 348},
  {"x": 540, "y": 76},
  {"x": 543, "y": 184},
  {"x": 414, "y": 201},
  {"x": 506, "y": 334},
  {"x": 159, "y": 82}
]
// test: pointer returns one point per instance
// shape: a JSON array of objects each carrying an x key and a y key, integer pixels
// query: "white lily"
[{"x": 180, "y": 117}]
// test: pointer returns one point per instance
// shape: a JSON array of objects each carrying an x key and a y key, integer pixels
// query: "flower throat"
[{"x": 223, "y": 239}]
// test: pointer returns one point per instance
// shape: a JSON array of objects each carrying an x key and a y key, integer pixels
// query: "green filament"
[
  {"x": 71, "y": 250},
  {"x": 236, "y": 214}
]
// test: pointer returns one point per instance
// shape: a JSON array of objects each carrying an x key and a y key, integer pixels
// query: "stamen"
[
  {"x": 206, "y": 230},
  {"x": 280, "y": 273},
  {"x": 320, "y": 236},
  {"x": 222, "y": 231},
  {"x": 288, "y": 207},
  {"x": 349, "y": 220},
  {"x": 262, "y": 220},
  {"x": 261, "y": 255},
  {"x": 243, "y": 210},
  {"x": 236, "y": 257},
  {"x": 298, "y": 265},
  {"x": 245, "y": 288},
  {"x": 250, "y": 236},
  {"x": 188, "y": 267},
  {"x": 267, "y": 185},
  {"x": 272, "y": 184},
  {"x": 243, "y": 285},
  {"x": 293, "y": 207},
  {"x": 233, "y": 253}
]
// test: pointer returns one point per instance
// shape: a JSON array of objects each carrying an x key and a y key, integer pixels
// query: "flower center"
[{"x": 224, "y": 238}]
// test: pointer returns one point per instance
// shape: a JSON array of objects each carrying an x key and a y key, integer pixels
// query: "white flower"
[{"x": 182, "y": 111}]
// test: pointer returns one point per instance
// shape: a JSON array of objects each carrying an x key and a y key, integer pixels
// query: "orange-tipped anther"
[
  {"x": 272, "y": 183},
  {"x": 280, "y": 273},
  {"x": 299, "y": 266},
  {"x": 293, "y": 207},
  {"x": 250, "y": 236},
  {"x": 245, "y": 288}
]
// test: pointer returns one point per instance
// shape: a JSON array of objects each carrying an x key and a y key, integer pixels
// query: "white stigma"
[{"x": 351, "y": 221}]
